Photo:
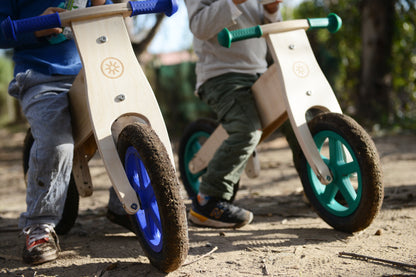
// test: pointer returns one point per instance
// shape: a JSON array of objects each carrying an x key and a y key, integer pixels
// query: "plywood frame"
[
  {"x": 288, "y": 89},
  {"x": 116, "y": 87}
]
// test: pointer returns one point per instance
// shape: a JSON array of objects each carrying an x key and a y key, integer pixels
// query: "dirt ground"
[{"x": 286, "y": 237}]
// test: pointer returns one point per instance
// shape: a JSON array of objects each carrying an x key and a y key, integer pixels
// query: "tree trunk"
[
  {"x": 140, "y": 46},
  {"x": 376, "y": 80}
]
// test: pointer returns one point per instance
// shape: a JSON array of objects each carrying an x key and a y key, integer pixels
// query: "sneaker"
[
  {"x": 42, "y": 244},
  {"x": 122, "y": 220},
  {"x": 219, "y": 214}
]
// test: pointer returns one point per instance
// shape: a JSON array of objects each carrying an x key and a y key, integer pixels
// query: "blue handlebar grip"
[
  {"x": 11, "y": 28},
  {"x": 169, "y": 7}
]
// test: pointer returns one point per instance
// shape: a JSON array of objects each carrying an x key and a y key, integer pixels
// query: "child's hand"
[
  {"x": 272, "y": 7},
  {"x": 97, "y": 2},
  {"x": 52, "y": 31},
  {"x": 237, "y": 2}
]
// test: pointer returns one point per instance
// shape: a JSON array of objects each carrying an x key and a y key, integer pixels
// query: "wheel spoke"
[
  {"x": 153, "y": 214},
  {"x": 146, "y": 194},
  {"x": 348, "y": 169},
  {"x": 335, "y": 150},
  {"x": 348, "y": 191},
  {"x": 143, "y": 176},
  {"x": 329, "y": 192}
]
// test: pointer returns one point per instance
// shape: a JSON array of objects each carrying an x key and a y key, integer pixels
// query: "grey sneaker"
[
  {"x": 219, "y": 214},
  {"x": 42, "y": 244}
]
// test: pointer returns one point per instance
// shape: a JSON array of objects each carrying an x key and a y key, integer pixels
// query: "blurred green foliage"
[
  {"x": 174, "y": 87},
  {"x": 339, "y": 55},
  {"x": 6, "y": 75}
]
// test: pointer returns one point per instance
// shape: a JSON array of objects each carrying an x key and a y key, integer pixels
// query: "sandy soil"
[{"x": 286, "y": 237}]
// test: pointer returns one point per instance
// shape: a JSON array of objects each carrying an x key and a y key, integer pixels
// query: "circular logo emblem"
[
  {"x": 301, "y": 69},
  {"x": 112, "y": 68}
]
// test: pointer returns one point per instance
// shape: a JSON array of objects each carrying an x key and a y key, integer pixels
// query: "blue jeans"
[{"x": 44, "y": 101}]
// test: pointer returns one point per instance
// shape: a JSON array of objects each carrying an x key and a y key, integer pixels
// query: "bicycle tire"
[
  {"x": 70, "y": 212},
  {"x": 354, "y": 197},
  {"x": 160, "y": 224}
]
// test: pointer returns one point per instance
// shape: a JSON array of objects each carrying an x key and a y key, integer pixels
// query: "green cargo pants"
[{"x": 230, "y": 97}]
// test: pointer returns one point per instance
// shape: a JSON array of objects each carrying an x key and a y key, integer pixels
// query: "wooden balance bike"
[
  {"x": 114, "y": 110},
  {"x": 338, "y": 163}
]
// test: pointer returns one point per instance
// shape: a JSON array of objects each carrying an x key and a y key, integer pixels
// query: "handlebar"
[
  {"x": 11, "y": 28},
  {"x": 168, "y": 7},
  {"x": 332, "y": 22}
]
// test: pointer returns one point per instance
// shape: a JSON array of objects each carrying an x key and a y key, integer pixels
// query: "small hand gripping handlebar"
[
  {"x": 333, "y": 23},
  {"x": 11, "y": 28}
]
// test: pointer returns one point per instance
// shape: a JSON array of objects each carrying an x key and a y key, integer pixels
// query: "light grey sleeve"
[{"x": 208, "y": 17}]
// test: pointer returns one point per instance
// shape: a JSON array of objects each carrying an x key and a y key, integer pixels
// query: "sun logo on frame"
[
  {"x": 112, "y": 68},
  {"x": 301, "y": 69}
]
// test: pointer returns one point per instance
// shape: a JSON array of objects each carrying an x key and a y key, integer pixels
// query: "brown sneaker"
[{"x": 42, "y": 244}]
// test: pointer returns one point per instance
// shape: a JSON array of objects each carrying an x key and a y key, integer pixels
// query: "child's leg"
[
  {"x": 231, "y": 98},
  {"x": 44, "y": 101}
]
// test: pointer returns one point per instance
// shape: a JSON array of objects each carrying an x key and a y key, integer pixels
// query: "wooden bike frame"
[
  {"x": 110, "y": 92},
  {"x": 290, "y": 87}
]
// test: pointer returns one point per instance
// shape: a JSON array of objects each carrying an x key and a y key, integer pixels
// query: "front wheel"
[
  {"x": 160, "y": 224},
  {"x": 354, "y": 197}
]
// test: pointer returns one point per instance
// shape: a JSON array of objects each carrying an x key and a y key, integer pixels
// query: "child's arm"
[
  {"x": 52, "y": 31},
  {"x": 208, "y": 18},
  {"x": 271, "y": 11},
  {"x": 26, "y": 39},
  {"x": 100, "y": 2},
  {"x": 97, "y": 2},
  {"x": 272, "y": 7}
]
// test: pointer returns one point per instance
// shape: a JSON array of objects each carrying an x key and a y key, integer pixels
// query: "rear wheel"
[
  {"x": 196, "y": 134},
  {"x": 354, "y": 197},
  {"x": 70, "y": 212},
  {"x": 160, "y": 224}
]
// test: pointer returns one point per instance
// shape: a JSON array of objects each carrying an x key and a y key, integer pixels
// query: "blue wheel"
[
  {"x": 148, "y": 217},
  {"x": 160, "y": 224},
  {"x": 354, "y": 197}
]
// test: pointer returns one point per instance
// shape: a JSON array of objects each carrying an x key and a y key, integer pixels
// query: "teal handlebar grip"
[
  {"x": 225, "y": 37},
  {"x": 333, "y": 23}
]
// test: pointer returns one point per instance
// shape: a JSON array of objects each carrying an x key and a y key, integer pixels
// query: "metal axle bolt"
[
  {"x": 102, "y": 39},
  {"x": 120, "y": 98}
]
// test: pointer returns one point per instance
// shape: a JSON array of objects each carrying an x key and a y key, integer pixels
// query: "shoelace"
[{"x": 38, "y": 232}]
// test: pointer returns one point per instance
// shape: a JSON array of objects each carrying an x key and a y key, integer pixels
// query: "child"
[
  {"x": 224, "y": 80},
  {"x": 44, "y": 73}
]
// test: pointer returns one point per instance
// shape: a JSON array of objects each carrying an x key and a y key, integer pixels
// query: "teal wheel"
[
  {"x": 160, "y": 224},
  {"x": 191, "y": 142},
  {"x": 354, "y": 197}
]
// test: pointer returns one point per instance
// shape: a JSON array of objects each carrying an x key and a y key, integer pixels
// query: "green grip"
[
  {"x": 225, "y": 37},
  {"x": 333, "y": 23}
]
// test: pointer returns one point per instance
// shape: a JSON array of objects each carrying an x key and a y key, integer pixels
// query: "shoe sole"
[
  {"x": 42, "y": 259},
  {"x": 201, "y": 220}
]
